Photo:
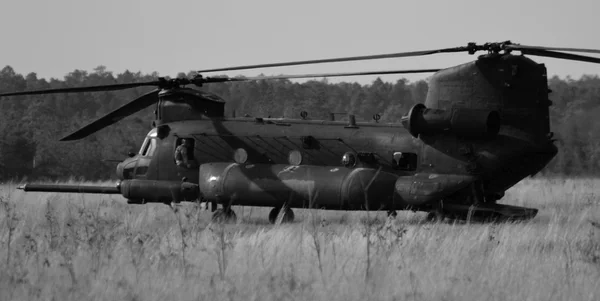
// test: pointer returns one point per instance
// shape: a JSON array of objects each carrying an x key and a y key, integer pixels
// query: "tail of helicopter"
[
  {"x": 515, "y": 88},
  {"x": 483, "y": 128}
]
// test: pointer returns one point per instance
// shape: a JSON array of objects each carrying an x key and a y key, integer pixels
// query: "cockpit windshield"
[
  {"x": 150, "y": 148},
  {"x": 149, "y": 144},
  {"x": 144, "y": 145}
]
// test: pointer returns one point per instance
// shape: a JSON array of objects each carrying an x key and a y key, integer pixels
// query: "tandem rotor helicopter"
[{"x": 483, "y": 128}]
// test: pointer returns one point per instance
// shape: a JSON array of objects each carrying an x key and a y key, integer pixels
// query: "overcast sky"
[{"x": 53, "y": 38}]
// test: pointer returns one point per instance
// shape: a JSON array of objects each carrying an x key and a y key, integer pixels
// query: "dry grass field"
[{"x": 82, "y": 247}]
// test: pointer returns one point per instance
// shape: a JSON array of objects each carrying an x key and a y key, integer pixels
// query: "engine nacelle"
[{"x": 467, "y": 123}]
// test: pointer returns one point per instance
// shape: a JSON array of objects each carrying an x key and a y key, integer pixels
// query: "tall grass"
[{"x": 77, "y": 247}]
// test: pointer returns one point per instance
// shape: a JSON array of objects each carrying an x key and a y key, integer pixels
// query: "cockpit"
[{"x": 137, "y": 165}]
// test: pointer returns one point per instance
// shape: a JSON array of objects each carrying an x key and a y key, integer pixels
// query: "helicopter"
[{"x": 483, "y": 128}]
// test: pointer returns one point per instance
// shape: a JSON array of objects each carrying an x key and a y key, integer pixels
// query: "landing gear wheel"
[
  {"x": 136, "y": 201},
  {"x": 224, "y": 215},
  {"x": 288, "y": 215},
  {"x": 435, "y": 216}
]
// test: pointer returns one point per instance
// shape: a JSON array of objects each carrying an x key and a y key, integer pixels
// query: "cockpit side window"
[
  {"x": 144, "y": 146},
  {"x": 150, "y": 148}
]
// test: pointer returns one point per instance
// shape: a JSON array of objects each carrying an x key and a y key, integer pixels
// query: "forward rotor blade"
[
  {"x": 135, "y": 105},
  {"x": 526, "y": 47},
  {"x": 325, "y": 75},
  {"x": 84, "y": 89},
  {"x": 562, "y": 55},
  {"x": 342, "y": 59}
]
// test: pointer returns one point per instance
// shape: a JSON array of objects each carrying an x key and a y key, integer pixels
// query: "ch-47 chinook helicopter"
[{"x": 483, "y": 127}]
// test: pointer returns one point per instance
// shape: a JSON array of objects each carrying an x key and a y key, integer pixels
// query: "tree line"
[{"x": 30, "y": 126}]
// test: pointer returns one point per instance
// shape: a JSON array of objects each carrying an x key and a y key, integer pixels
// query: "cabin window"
[{"x": 405, "y": 161}]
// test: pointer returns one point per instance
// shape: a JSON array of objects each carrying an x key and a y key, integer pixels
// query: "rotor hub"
[{"x": 494, "y": 47}]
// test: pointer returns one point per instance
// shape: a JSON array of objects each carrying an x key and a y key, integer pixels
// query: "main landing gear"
[
  {"x": 224, "y": 215},
  {"x": 280, "y": 215},
  {"x": 277, "y": 215},
  {"x": 435, "y": 216}
]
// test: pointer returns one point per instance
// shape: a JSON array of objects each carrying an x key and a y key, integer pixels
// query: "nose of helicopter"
[
  {"x": 125, "y": 169},
  {"x": 120, "y": 168}
]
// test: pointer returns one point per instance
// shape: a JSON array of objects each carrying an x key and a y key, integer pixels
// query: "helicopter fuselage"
[
  {"x": 390, "y": 149},
  {"x": 483, "y": 127}
]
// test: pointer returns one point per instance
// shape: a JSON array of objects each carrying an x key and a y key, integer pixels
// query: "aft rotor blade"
[
  {"x": 526, "y": 47},
  {"x": 135, "y": 105},
  {"x": 562, "y": 55},
  {"x": 84, "y": 89},
  {"x": 326, "y": 75},
  {"x": 342, "y": 59}
]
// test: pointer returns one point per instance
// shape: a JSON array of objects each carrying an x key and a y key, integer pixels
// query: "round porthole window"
[
  {"x": 349, "y": 159},
  {"x": 295, "y": 157},
  {"x": 240, "y": 156}
]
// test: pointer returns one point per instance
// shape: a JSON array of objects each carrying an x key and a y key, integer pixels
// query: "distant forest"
[{"x": 30, "y": 126}]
